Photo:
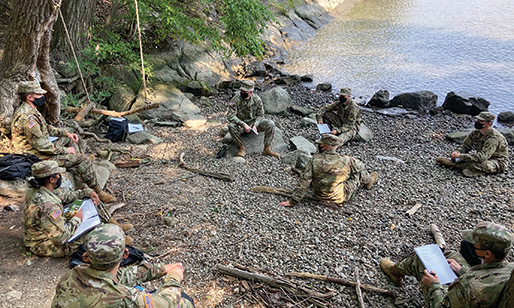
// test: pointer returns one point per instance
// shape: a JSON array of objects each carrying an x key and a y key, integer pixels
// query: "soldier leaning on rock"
[
  {"x": 246, "y": 114},
  {"x": 491, "y": 150},
  {"x": 30, "y": 134},
  {"x": 334, "y": 177},
  {"x": 344, "y": 116},
  {"x": 102, "y": 283},
  {"x": 478, "y": 286}
]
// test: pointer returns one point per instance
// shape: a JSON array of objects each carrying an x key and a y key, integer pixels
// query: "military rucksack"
[
  {"x": 118, "y": 129},
  {"x": 16, "y": 166}
]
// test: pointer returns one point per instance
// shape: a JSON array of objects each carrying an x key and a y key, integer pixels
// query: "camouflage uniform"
[
  {"x": 47, "y": 230},
  {"x": 94, "y": 286},
  {"x": 346, "y": 120},
  {"x": 491, "y": 152},
  {"x": 248, "y": 112},
  {"x": 30, "y": 134},
  {"x": 478, "y": 286}
]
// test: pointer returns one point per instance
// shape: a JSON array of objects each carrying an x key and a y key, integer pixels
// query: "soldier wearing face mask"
[
  {"x": 245, "y": 115},
  {"x": 343, "y": 116},
  {"x": 490, "y": 151}
]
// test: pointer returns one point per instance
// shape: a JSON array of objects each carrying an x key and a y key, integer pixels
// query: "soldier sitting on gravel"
[
  {"x": 245, "y": 114},
  {"x": 478, "y": 286},
  {"x": 30, "y": 134},
  {"x": 334, "y": 177},
  {"x": 102, "y": 284},
  {"x": 343, "y": 116},
  {"x": 491, "y": 151}
]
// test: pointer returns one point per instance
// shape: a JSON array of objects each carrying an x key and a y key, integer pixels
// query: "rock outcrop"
[{"x": 464, "y": 103}]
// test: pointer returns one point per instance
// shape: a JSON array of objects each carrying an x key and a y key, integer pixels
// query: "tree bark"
[{"x": 26, "y": 57}]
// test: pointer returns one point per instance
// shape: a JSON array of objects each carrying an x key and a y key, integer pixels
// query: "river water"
[{"x": 412, "y": 45}]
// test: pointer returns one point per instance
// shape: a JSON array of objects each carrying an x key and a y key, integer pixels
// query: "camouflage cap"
[
  {"x": 30, "y": 87},
  {"x": 247, "y": 85},
  {"x": 105, "y": 246},
  {"x": 490, "y": 235},
  {"x": 330, "y": 140},
  {"x": 345, "y": 91},
  {"x": 486, "y": 116},
  {"x": 46, "y": 168}
]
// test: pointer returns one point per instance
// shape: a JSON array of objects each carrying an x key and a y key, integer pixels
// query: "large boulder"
[
  {"x": 325, "y": 87},
  {"x": 464, "y": 103},
  {"x": 302, "y": 144},
  {"x": 365, "y": 134},
  {"x": 122, "y": 99},
  {"x": 299, "y": 110},
  {"x": 458, "y": 137},
  {"x": 419, "y": 101},
  {"x": 143, "y": 138},
  {"x": 297, "y": 159},
  {"x": 508, "y": 133},
  {"x": 380, "y": 99},
  {"x": 288, "y": 80},
  {"x": 256, "y": 68},
  {"x": 506, "y": 117},
  {"x": 174, "y": 105},
  {"x": 199, "y": 88},
  {"x": 276, "y": 100},
  {"x": 255, "y": 143}
]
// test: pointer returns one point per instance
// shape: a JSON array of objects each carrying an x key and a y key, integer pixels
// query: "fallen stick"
[
  {"x": 360, "y": 300},
  {"x": 176, "y": 180},
  {"x": 288, "y": 193},
  {"x": 90, "y": 134},
  {"x": 343, "y": 282},
  {"x": 113, "y": 113},
  {"x": 414, "y": 209},
  {"x": 439, "y": 239},
  {"x": 128, "y": 164},
  {"x": 216, "y": 175},
  {"x": 82, "y": 113},
  {"x": 244, "y": 238}
]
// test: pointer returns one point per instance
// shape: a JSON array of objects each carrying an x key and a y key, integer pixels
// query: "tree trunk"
[
  {"x": 79, "y": 16},
  {"x": 26, "y": 56}
]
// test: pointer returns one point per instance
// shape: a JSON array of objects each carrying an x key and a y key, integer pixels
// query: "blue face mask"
[{"x": 39, "y": 101}]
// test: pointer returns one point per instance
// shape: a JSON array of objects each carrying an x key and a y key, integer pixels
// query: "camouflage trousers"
[
  {"x": 489, "y": 166},
  {"x": 265, "y": 125},
  {"x": 411, "y": 265},
  {"x": 80, "y": 164},
  {"x": 358, "y": 176},
  {"x": 333, "y": 120},
  {"x": 51, "y": 249}
]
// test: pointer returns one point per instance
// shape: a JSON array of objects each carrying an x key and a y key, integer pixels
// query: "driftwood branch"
[
  {"x": 343, "y": 282},
  {"x": 84, "y": 111},
  {"x": 288, "y": 194},
  {"x": 216, "y": 175},
  {"x": 360, "y": 300},
  {"x": 113, "y": 113},
  {"x": 439, "y": 239}
]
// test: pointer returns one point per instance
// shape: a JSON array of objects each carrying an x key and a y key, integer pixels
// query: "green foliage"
[{"x": 284, "y": 6}]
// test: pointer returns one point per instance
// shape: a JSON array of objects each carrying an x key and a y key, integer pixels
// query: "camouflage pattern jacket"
[
  {"x": 492, "y": 145},
  {"x": 46, "y": 228},
  {"x": 327, "y": 173},
  {"x": 30, "y": 133},
  {"x": 84, "y": 286},
  {"x": 243, "y": 112},
  {"x": 350, "y": 115},
  {"x": 479, "y": 286}
]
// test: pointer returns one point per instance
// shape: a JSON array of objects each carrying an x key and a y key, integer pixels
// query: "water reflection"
[{"x": 414, "y": 45}]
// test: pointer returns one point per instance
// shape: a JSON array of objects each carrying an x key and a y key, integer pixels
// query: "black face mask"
[
  {"x": 479, "y": 125},
  {"x": 468, "y": 252},
  {"x": 245, "y": 95},
  {"x": 342, "y": 99},
  {"x": 59, "y": 182},
  {"x": 39, "y": 101}
]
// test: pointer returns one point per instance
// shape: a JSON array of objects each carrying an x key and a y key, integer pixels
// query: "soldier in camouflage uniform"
[
  {"x": 344, "y": 116},
  {"x": 246, "y": 113},
  {"x": 102, "y": 283},
  {"x": 491, "y": 153},
  {"x": 47, "y": 227},
  {"x": 478, "y": 286},
  {"x": 334, "y": 177},
  {"x": 30, "y": 134}
]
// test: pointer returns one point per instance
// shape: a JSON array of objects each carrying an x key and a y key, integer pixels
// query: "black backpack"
[
  {"x": 16, "y": 166},
  {"x": 118, "y": 129}
]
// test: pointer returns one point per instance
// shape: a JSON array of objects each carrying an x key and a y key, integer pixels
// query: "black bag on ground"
[
  {"x": 118, "y": 129},
  {"x": 135, "y": 256},
  {"x": 16, "y": 166}
]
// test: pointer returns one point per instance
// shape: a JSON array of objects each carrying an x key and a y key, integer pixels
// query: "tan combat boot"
[
  {"x": 445, "y": 162},
  {"x": 241, "y": 152},
  {"x": 128, "y": 240},
  {"x": 124, "y": 227},
  {"x": 373, "y": 179},
  {"x": 104, "y": 197},
  {"x": 268, "y": 151},
  {"x": 390, "y": 269}
]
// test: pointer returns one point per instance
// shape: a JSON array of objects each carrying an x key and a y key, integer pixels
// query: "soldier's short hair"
[
  {"x": 105, "y": 246},
  {"x": 490, "y": 235}
]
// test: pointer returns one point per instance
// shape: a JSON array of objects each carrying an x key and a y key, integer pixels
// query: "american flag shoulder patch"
[
  {"x": 148, "y": 301},
  {"x": 31, "y": 124},
  {"x": 56, "y": 214}
]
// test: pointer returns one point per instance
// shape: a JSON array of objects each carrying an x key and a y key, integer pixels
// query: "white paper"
[
  {"x": 89, "y": 221},
  {"x": 118, "y": 119},
  {"x": 52, "y": 138},
  {"x": 433, "y": 259},
  {"x": 134, "y": 128},
  {"x": 323, "y": 129}
]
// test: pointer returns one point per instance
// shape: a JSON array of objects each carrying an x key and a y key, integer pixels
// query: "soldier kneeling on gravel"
[
  {"x": 478, "y": 286},
  {"x": 102, "y": 284},
  {"x": 334, "y": 177},
  {"x": 491, "y": 153}
]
